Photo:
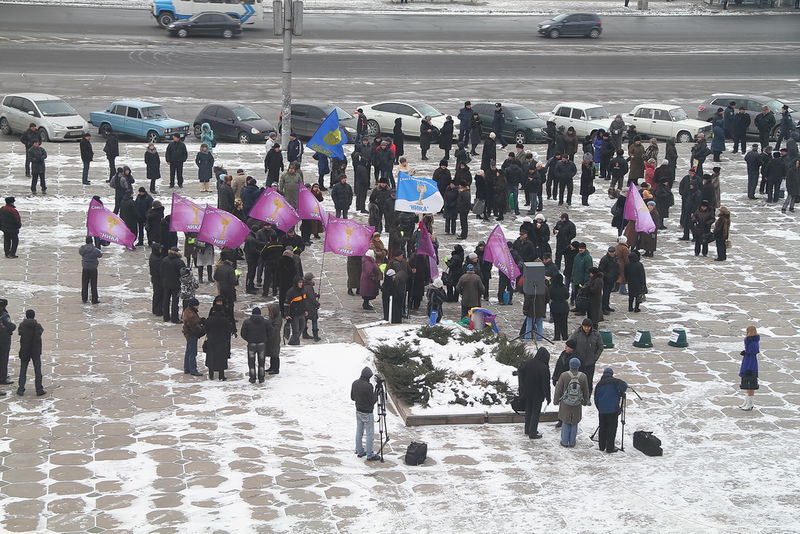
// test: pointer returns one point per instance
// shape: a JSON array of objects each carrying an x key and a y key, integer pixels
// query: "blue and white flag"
[
  {"x": 417, "y": 195},
  {"x": 329, "y": 138}
]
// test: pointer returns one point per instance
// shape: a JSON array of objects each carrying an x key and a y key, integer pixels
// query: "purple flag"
[
  {"x": 107, "y": 225},
  {"x": 498, "y": 253},
  {"x": 272, "y": 207},
  {"x": 636, "y": 210},
  {"x": 425, "y": 247},
  {"x": 186, "y": 215},
  {"x": 222, "y": 229},
  {"x": 346, "y": 237},
  {"x": 308, "y": 207}
]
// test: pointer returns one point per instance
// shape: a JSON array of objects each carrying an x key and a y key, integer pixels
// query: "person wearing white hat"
[
  {"x": 436, "y": 298},
  {"x": 392, "y": 297}
]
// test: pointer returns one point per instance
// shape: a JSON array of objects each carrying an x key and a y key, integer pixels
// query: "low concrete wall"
[{"x": 403, "y": 410}]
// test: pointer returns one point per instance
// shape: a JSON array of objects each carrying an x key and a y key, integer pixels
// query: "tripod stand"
[
  {"x": 380, "y": 393},
  {"x": 622, "y": 410}
]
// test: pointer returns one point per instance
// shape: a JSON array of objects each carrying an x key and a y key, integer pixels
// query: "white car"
[
  {"x": 666, "y": 122},
  {"x": 584, "y": 117},
  {"x": 381, "y": 116},
  {"x": 55, "y": 118}
]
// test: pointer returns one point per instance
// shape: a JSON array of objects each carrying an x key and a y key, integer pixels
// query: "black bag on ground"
[
  {"x": 647, "y": 443},
  {"x": 416, "y": 453}
]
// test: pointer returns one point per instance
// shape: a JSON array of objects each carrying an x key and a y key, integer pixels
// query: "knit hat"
[
  {"x": 438, "y": 283},
  {"x": 622, "y": 239},
  {"x": 256, "y": 311},
  {"x": 472, "y": 256},
  {"x": 574, "y": 364},
  {"x": 651, "y": 203},
  {"x": 539, "y": 217},
  {"x": 308, "y": 277},
  {"x": 571, "y": 343},
  {"x": 11, "y": 200},
  {"x": 391, "y": 272},
  {"x": 586, "y": 322},
  {"x": 30, "y": 314},
  {"x": 193, "y": 302},
  {"x": 608, "y": 371},
  {"x": 470, "y": 268},
  {"x": 370, "y": 254},
  {"x": 664, "y": 162}
]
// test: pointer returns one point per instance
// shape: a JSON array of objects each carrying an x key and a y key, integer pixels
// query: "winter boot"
[
  {"x": 748, "y": 403},
  {"x": 305, "y": 334},
  {"x": 252, "y": 376},
  {"x": 316, "y": 336},
  {"x": 744, "y": 403}
]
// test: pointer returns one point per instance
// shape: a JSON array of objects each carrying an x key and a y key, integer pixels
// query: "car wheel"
[
  {"x": 227, "y": 34},
  {"x": 43, "y": 135},
  {"x": 520, "y": 137},
  {"x": 165, "y": 19},
  {"x": 685, "y": 137},
  {"x": 244, "y": 138},
  {"x": 196, "y": 131},
  {"x": 554, "y": 34},
  {"x": 5, "y": 128},
  {"x": 373, "y": 128},
  {"x": 104, "y": 129},
  {"x": 775, "y": 133},
  {"x": 594, "y": 34},
  {"x": 182, "y": 33},
  {"x": 153, "y": 137}
]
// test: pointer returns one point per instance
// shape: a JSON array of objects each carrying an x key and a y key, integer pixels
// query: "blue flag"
[
  {"x": 329, "y": 138},
  {"x": 417, "y": 195}
]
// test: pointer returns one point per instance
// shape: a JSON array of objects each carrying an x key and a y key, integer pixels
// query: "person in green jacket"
[{"x": 580, "y": 270}]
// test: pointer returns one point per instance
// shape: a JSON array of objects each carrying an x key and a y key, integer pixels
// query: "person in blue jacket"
[
  {"x": 607, "y": 395},
  {"x": 749, "y": 368},
  {"x": 718, "y": 141}
]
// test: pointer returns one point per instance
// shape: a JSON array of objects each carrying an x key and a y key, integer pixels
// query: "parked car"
[
  {"x": 307, "y": 117},
  {"x": 55, "y": 118},
  {"x": 381, "y": 117},
  {"x": 522, "y": 125},
  {"x": 666, "y": 121},
  {"x": 752, "y": 103},
  {"x": 206, "y": 23},
  {"x": 138, "y": 119},
  {"x": 583, "y": 24},
  {"x": 233, "y": 122},
  {"x": 584, "y": 117}
]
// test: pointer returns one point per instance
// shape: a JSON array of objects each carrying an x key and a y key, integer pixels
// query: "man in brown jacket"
[
  {"x": 192, "y": 330},
  {"x": 470, "y": 286}
]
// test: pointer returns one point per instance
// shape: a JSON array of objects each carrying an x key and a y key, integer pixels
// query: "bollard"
[
  {"x": 608, "y": 341},
  {"x": 642, "y": 339},
  {"x": 678, "y": 338}
]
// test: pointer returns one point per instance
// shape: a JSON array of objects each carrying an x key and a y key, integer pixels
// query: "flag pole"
[{"x": 321, "y": 270}]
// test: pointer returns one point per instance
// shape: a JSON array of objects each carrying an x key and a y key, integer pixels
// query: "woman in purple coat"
[
  {"x": 749, "y": 369},
  {"x": 370, "y": 279}
]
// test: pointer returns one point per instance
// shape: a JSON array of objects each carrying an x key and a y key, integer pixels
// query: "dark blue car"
[{"x": 572, "y": 24}]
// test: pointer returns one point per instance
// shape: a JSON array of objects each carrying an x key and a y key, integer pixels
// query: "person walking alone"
[
  {"x": 30, "y": 349},
  {"x": 748, "y": 371}
]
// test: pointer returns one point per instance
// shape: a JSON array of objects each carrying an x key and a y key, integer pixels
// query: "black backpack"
[
  {"x": 647, "y": 443},
  {"x": 416, "y": 453}
]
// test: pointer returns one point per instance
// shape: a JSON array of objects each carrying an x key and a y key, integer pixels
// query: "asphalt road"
[{"x": 40, "y": 21}]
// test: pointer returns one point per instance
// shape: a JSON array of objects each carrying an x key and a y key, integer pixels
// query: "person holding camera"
[
  {"x": 365, "y": 397},
  {"x": 607, "y": 397}
]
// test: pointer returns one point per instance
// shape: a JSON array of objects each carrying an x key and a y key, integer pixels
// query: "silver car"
[
  {"x": 55, "y": 119},
  {"x": 752, "y": 103}
]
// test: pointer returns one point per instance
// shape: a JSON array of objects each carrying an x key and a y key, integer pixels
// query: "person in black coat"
[
  {"x": 753, "y": 161},
  {"x": 169, "y": 239},
  {"x": 450, "y": 209},
  {"x": 273, "y": 165},
  {"x": 609, "y": 266},
  {"x": 775, "y": 173},
  {"x": 741, "y": 121},
  {"x": 691, "y": 197},
  {"x": 294, "y": 150},
  {"x": 446, "y": 136},
  {"x": 27, "y": 138},
  {"x": 489, "y": 152},
  {"x": 286, "y": 273},
  {"x": 87, "y": 155},
  {"x": 464, "y": 205},
  {"x": 176, "y": 155},
  {"x": 399, "y": 138},
  {"x": 361, "y": 181},
  {"x": 565, "y": 233},
  {"x": 170, "y": 271},
  {"x": 596, "y": 287},
  {"x": 153, "y": 222},
  {"x": 111, "y": 149},
  {"x": 127, "y": 212},
  {"x": 226, "y": 279},
  {"x": 455, "y": 268},
  {"x": 154, "y": 264},
  {"x": 30, "y": 349},
  {"x": 256, "y": 330},
  {"x": 534, "y": 389},
  {"x": 498, "y": 123},
  {"x": 153, "y": 163},
  {"x": 559, "y": 307},
  {"x": 427, "y": 132},
  {"x": 219, "y": 326},
  {"x": 637, "y": 281},
  {"x": 393, "y": 297},
  {"x": 564, "y": 173},
  {"x": 475, "y": 132},
  {"x": 342, "y": 196},
  {"x": 36, "y": 155},
  {"x": 253, "y": 245}
]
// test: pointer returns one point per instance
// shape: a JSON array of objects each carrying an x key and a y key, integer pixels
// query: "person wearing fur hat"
[
  {"x": 571, "y": 393},
  {"x": 607, "y": 397},
  {"x": 436, "y": 298},
  {"x": 722, "y": 228},
  {"x": 193, "y": 330},
  {"x": 256, "y": 330}
]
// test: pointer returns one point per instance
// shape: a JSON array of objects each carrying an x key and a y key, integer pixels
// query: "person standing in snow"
[
  {"x": 193, "y": 330},
  {"x": 749, "y": 368},
  {"x": 572, "y": 392},
  {"x": 256, "y": 330},
  {"x": 607, "y": 397},
  {"x": 534, "y": 388},
  {"x": 30, "y": 349},
  {"x": 7, "y": 328},
  {"x": 90, "y": 259},
  {"x": 365, "y": 397}
]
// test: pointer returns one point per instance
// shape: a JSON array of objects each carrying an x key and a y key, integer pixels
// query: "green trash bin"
[
  {"x": 608, "y": 341},
  {"x": 678, "y": 338},
  {"x": 642, "y": 339}
]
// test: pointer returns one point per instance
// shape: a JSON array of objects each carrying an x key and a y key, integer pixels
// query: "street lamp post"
[{"x": 287, "y": 20}]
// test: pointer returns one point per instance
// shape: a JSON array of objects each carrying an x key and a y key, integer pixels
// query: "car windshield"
[
  {"x": 243, "y": 113},
  {"x": 342, "y": 114},
  {"x": 425, "y": 109},
  {"x": 678, "y": 114},
  {"x": 55, "y": 108},
  {"x": 596, "y": 113},
  {"x": 522, "y": 114},
  {"x": 155, "y": 112},
  {"x": 559, "y": 18}
]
